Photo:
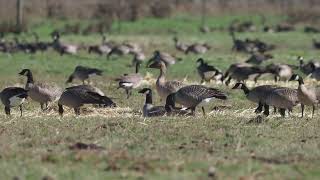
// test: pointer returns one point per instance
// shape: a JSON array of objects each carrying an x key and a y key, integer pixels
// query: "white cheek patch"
[
  {"x": 16, "y": 101},
  {"x": 127, "y": 84}
]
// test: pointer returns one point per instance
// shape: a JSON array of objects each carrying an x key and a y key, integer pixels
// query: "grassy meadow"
[{"x": 234, "y": 142}]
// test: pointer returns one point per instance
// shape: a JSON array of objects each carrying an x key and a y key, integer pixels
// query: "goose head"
[
  {"x": 296, "y": 77},
  {"x": 145, "y": 91},
  {"x": 200, "y": 61},
  {"x": 25, "y": 72},
  {"x": 238, "y": 86}
]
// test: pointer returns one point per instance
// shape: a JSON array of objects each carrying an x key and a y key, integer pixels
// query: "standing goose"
[
  {"x": 164, "y": 88},
  {"x": 308, "y": 97},
  {"x": 12, "y": 97},
  {"x": 130, "y": 81},
  {"x": 83, "y": 73},
  {"x": 258, "y": 94},
  {"x": 76, "y": 96},
  {"x": 282, "y": 98},
  {"x": 191, "y": 96},
  {"x": 138, "y": 57},
  {"x": 149, "y": 110},
  {"x": 207, "y": 72},
  {"x": 39, "y": 92}
]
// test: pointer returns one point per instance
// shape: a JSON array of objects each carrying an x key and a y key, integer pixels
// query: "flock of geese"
[{"x": 172, "y": 93}]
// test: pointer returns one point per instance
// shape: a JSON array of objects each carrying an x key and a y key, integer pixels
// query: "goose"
[
  {"x": 311, "y": 29},
  {"x": 42, "y": 46},
  {"x": 258, "y": 58},
  {"x": 62, "y": 48},
  {"x": 306, "y": 96},
  {"x": 12, "y": 97},
  {"x": 316, "y": 44},
  {"x": 193, "y": 95},
  {"x": 138, "y": 57},
  {"x": 257, "y": 94},
  {"x": 163, "y": 87},
  {"x": 102, "y": 49},
  {"x": 83, "y": 73},
  {"x": 130, "y": 81},
  {"x": 39, "y": 92},
  {"x": 307, "y": 68},
  {"x": 179, "y": 45},
  {"x": 149, "y": 110},
  {"x": 77, "y": 96},
  {"x": 162, "y": 56},
  {"x": 280, "y": 71},
  {"x": 207, "y": 72},
  {"x": 241, "y": 74},
  {"x": 119, "y": 50},
  {"x": 198, "y": 48},
  {"x": 282, "y": 98}
]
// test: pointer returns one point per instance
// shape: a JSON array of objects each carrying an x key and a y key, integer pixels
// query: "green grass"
[{"x": 231, "y": 141}]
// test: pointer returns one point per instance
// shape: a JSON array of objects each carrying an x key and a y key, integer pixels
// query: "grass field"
[{"x": 234, "y": 141}]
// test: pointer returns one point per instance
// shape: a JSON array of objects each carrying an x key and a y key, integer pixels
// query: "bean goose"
[
  {"x": 164, "y": 88},
  {"x": 162, "y": 56},
  {"x": 83, "y": 73},
  {"x": 207, "y": 72},
  {"x": 191, "y": 96},
  {"x": 179, "y": 45},
  {"x": 257, "y": 94},
  {"x": 130, "y": 81},
  {"x": 76, "y": 96},
  {"x": 12, "y": 97},
  {"x": 39, "y": 92},
  {"x": 306, "y": 96},
  {"x": 282, "y": 98},
  {"x": 149, "y": 110}
]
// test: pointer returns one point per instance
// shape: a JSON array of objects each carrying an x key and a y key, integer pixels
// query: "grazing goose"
[
  {"x": 280, "y": 71},
  {"x": 83, "y": 73},
  {"x": 76, "y": 96},
  {"x": 306, "y": 96},
  {"x": 241, "y": 74},
  {"x": 307, "y": 68},
  {"x": 149, "y": 110},
  {"x": 40, "y": 92},
  {"x": 191, "y": 96},
  {"x": 257, "y": 94},
  {"x": 164, "y": 88},
  {"x": 12, "y": 97},
  {"x": 119, "y": 50},
  {"x": 316, "y": 44},
  {"x": 179, "y": 45},
  {"x": 162, "y": 56},
  {"x": 102, "y": 49},
  {"x": 207, "y": 72},
  {"x": 198, "y": 48},
  {"x": 281, "y": 98},
  {"x": 130, "y": 81},
  {"x": 258, "y": 58},
  {"x": 138, "y": 57}
]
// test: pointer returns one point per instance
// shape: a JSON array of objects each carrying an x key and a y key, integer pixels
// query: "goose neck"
[
  {"x": 245, "y": 89},
  {"x": 149, "y": 98}
]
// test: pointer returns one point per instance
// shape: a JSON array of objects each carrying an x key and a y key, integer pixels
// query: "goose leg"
[
  {"x": 42, "y": 106},
  {"x": 302, "y": 109},
  {"x": 7, "y": 110},
  {"x": 193, "y": 109},
  {"x": 128, "y": 94},
  {"x": 274, "y": 110},
  {"x": 283, "y": 112},
  {"x": 203, "y": 111},
  {"x": 60, "y": 110},
  {"x": 77, "y": 111},
  {"x": 266, "y": 110},
  {"x": 20, "y": 107},
  {"x": 313, "y": 109},
  {"x": 259, "y": 108}
]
